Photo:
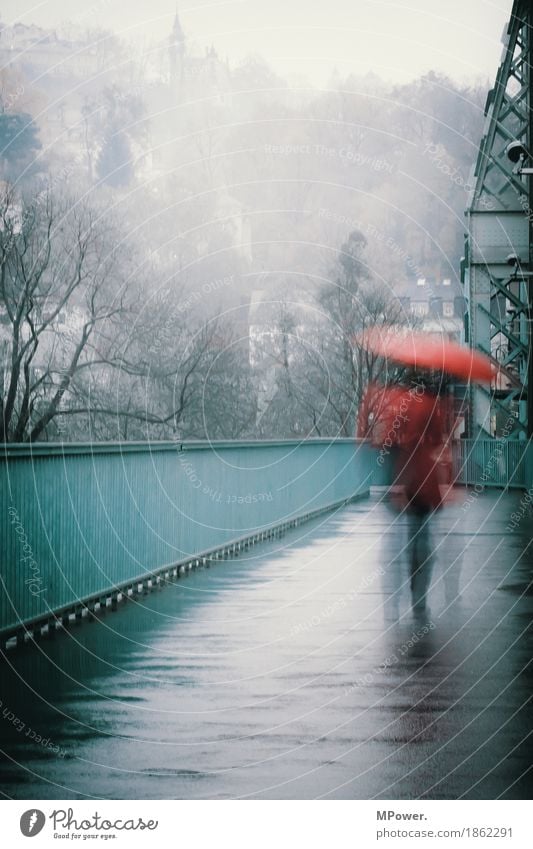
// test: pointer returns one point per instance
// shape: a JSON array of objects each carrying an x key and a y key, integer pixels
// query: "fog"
[
  {"x": 202, "y": 208},
  {"x": 399, "y": 40}
]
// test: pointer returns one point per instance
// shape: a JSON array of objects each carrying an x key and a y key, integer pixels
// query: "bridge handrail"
[
  {"x": 11, "y": 450},
  {"x": 82, "y": 521}
]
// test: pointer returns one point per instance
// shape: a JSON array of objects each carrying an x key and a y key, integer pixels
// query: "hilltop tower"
[{"x": 176, "y": 51}]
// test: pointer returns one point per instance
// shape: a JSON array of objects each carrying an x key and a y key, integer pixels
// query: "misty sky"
[{"x": 397, "y": 39}]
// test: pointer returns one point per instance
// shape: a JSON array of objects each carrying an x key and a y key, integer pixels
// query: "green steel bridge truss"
[{"x": 498, "y": 268}]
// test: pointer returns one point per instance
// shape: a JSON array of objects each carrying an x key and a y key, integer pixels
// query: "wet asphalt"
[{"x": 296, "y": 671}]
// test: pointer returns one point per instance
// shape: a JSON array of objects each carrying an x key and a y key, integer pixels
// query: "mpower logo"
[{"x": 31, "y": 822}]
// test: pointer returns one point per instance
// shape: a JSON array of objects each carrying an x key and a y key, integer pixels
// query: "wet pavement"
[{"x": 296, "y": 671}]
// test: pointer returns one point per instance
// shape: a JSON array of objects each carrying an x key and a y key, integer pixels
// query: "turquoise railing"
[
  {"x": 498, "y": 463},
  {"x": 88, "y": 524}
]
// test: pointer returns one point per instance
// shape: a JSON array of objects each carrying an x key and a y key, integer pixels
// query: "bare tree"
[
  {"x": 60, "y": 287},
  {"x": 173, "y": 376},
  {"x": 280, "y": 360},
  {"x": 91, "y": 351},
  {"x": 319, "y": 386}
]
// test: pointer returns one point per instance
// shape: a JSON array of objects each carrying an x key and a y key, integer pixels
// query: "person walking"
[
  {"x": 418, "y": 473},
  {"x": 411, "y": 424}
]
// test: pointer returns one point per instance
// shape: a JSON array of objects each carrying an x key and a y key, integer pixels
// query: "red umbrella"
[{"x": 429, "y": 352}]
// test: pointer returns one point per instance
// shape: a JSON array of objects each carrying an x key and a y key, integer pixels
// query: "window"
[
  {"x": 447, "y": 309},
  {"x": 420, "y": 308},
  {"x": 421, "y": 281},
  {"x": 446, "y": 281}
]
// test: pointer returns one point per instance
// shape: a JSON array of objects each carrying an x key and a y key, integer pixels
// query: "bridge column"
[{"x": 498, "y": 268}]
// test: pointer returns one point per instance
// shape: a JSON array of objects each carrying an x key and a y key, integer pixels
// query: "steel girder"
[{"x": 499, "y": 215}]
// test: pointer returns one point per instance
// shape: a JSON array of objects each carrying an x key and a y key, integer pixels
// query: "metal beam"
[{"x": 499, "y": 225}]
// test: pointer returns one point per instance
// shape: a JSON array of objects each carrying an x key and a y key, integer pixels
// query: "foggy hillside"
[{"x": 189, "y": 246}]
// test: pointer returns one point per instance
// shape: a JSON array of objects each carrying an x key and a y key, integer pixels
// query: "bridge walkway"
[{"x": 295, "y": 671}]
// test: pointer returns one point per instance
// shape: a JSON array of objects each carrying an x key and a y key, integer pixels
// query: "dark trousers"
[{"x": 420, "y": 557}]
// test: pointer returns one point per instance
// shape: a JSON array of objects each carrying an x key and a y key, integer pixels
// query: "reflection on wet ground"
[{"x": 295, "y": 672}]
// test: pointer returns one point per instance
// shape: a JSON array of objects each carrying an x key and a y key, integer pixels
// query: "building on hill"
[
  {"x": 438, "y": 304},
  {"x": 69, "y": 76},
  {"x": 193, "y": 75}
]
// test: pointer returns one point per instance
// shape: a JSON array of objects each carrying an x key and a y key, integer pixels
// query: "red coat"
[{"x": 410, "y": 424}]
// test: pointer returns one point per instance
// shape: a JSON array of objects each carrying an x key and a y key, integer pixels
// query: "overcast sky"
[{"x": 397, "y": 39}]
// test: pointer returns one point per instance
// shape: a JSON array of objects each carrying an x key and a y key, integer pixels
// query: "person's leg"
[
  {"x": 394, "y": 554},
  {"x": 421, "y": 559}
]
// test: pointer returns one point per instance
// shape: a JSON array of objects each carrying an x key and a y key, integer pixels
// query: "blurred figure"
[
  {"x": 410, "y": 424},
  {"x": 394, "y": 576}
]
